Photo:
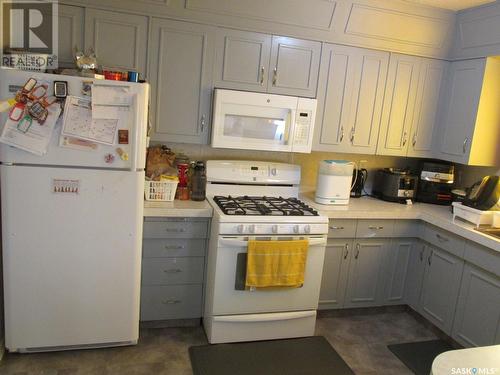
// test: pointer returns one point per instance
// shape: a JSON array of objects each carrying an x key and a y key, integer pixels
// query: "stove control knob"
[
  {"x": 274, "y": 229},
  {"x": 273, "y": 171},
  {"x": 307, "y": 229},
  {"x": 239, "y": 228},
  {"x": 251, "y": 228},
  {"x": 295, "y": 229}
]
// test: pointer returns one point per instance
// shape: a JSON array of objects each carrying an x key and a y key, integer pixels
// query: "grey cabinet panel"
[
  {"x": 406, "y": 228},
  {"x": 440, "y": 288},
  {"x": 335, "y": 268},
  {"x": 397, "y": 265},
  {"x": 170, "y": 271},
  {"x": 172, "y": 247},
  {"x": 483, "y": 257},
  {"x": 445, "y": 240},
  {"x": 181, "y": 63},
  {"x": 477, "y": 319},
  {"x": 424, "y": 125},
  {"x": 294, "y": 66},
  {"x": 339, "y": 228},
  {"x": 118, "y": 39},
  {"x": 242, "y": 60},
  {"x": 374, "y": 228},
  {"x": 415, "y": 277},
  {"x": 350, "y": 95},
  {"x": 366, "y": 277},
  {"x": 70, "y": 37},
  {"x": 161, "y": 302},
  {"x": 397, "y": 113},
  {"x": 175, "y": 229}
]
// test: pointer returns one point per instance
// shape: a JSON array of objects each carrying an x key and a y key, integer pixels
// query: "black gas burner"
[{"x": 263, "y": 206}]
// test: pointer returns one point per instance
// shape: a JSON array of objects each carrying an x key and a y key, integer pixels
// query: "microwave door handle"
[{"x": 290, "y": 127}]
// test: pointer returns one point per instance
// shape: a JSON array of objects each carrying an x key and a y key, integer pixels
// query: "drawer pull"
[
  {"x": 336, "y": 227},
  {"x": 173, "y": 270},
  {"x": 441, "y": 238},
  {"x": 357, "y": 251},
  {"x": 346, "y": 251},
  {"x": 375, "y": 227},
  {"x": 422, "y": 254},
  {"x": 174, "y": 247},
  {"x": 171, "y": 301},
  {"x": 175, "y": 230},
  {"x": 429, "y": 259}
]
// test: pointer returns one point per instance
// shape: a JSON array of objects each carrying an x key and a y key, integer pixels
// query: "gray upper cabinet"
[
  {"x": 440, "y": 288},
  {"x": 350, "y": 95},
  {"x": 242, "y": 60},
  {"x": 181, "y": 65},
  {"x": 70, "y": 37},
  {"x": 477, "y": 319},
  {"x": 397, "y": 113},
  {"x": 430, "y": 84},
  {"x": 294, "y": 66},
  {"x": 118, "y": 39},
  {"x": 335, "y": 268}
]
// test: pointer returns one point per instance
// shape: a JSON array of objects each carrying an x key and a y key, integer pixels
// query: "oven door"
[
  {"x": 230, "y": 297},
  {"x": 253, "y": 121}
]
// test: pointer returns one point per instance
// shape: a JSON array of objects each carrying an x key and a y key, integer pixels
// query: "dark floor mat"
[
  {"x": 304, "y": 356},
  {"x": 418, "y": 356}
]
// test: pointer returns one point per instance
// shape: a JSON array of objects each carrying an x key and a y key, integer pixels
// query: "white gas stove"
[{"x": 258, "y": 200}]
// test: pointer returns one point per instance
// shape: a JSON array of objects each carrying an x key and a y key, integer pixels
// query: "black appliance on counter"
[
  {"x": 359, "y": 177},
  {"x": 395, "y": 185},
  {"x": 484, "y": 195},
  {"x": 436, "y": 182}
]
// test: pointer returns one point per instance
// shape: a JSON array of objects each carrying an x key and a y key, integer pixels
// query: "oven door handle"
[
  {"x": 257, "y": 318},
  {"x": 235, "y": 242}
]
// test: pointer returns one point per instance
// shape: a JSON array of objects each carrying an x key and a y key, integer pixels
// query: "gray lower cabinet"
[
  {"x": 70, "y": 34},
  {"x": 335, "y": 270},
  {"x": 415, "y": 275},
  {"x": 441, "y": 284},
  {"x": 366, "y": 281},
  {"x": 477, "y": 319},
  {"x": 397, "y": 266},
  {"x": 173, "y": 266},
  {"x": 180, "y": 72}
]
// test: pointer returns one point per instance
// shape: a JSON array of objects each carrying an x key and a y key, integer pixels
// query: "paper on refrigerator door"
[
  {"x": 114, "y": 95},
  {"x": 78, "y": 122}
]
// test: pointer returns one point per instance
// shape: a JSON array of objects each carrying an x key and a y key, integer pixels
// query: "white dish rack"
[{"x": 472, "y": 215}]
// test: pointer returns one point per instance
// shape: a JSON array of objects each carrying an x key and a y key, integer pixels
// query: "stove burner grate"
[{"x": 263, "y": 206}]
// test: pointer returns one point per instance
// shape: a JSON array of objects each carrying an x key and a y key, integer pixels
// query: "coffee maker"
[
  {"x": 359, "y": 177},
  {"x": 435, "y": 182}
]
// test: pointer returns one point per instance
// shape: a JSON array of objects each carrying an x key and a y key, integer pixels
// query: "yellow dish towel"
[{"x": 276, "y": 263}]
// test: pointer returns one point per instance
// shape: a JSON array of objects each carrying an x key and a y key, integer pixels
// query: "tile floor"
[{"x": 360, "y": 339}]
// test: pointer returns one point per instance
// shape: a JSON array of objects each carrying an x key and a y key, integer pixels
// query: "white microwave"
[{"x": 258, "y": 121}]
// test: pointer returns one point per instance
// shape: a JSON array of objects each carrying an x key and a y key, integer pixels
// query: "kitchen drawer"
[
  {"x": 406, "y": 228},
  {"x": 175, "y": 229},
  {"x": 483, "y": 257},
  {"x": 171, "y": 302},
  {"x": 374, "y": 228},
  {"x": 445, "y": 240},
  {"x": 342, "y": 228},
  {"x": 168, "y": 271},
  {"x": 173, "y": 247}
]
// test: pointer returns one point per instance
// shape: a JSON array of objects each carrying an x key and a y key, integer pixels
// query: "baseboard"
[{"x": 170, "y": 323}]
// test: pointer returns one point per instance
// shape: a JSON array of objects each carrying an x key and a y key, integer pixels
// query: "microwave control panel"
[{"x": 304, "y": 125}]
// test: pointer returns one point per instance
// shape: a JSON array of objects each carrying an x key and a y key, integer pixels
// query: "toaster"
[{"x": 395, "y": 185}]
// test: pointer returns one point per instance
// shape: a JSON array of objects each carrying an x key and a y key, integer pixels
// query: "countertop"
[
  {"x": 177, "y": 208},
  {"x": 482, "y": 360}
]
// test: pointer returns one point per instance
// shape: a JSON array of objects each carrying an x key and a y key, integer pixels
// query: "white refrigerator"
[{"x": 72, "y": 256}]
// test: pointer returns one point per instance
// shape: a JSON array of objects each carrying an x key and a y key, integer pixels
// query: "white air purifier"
[{"x": 334, "y": 182}]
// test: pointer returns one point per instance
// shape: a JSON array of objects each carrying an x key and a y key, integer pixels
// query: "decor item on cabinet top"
[
  {"x": 259, "y": 121},
  {"x": 395, "y": 185},
  {"x": 435, "y": 183},
  {"x": 334, "y": 182}
]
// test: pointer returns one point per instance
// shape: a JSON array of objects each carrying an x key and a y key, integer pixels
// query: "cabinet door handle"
[
  {"x": 422, "y": 254},
  {"x": 275, "y": 75},
  {"x": 341, "y": 134},
  {"x": 173, "y": 270},
  {"x": 335, "y": 227},
  {"x": 405, "y": 139},
  {"x": 346, "y": 251},
  {"x": 429, "y": 259},
  {"x": 357, "y": 251},
  {"x": 375, "y": 227},
  {"x": 202, "y": 123},
  {"x": 262, "y": 73},
  {"x": 174, "y": 247},
  {"x": 171, "y": 301},
  {"x": 441, "y": 238},
  {"x": 464, "y": 146},
  {"x": 414, "y": 141},
  {"x": 352, "y": 135},
  {"x": 175, "y": 230}
]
